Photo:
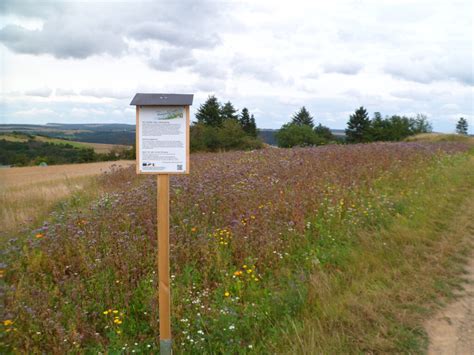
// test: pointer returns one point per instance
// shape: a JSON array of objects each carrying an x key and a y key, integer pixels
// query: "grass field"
[
  {"x": 441, "y": 137},
  {"x": 336, "y": 249},
  {"x": 98, "y": 147},
  {"x": 29, "y": 192}
]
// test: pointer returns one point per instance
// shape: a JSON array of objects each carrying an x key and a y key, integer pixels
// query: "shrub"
[
  {"x": 230, "y": 136},
  {"x": 292, "y": 135}
]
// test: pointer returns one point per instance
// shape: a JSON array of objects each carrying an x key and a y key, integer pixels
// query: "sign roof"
[{"x": 162, "y": 100}]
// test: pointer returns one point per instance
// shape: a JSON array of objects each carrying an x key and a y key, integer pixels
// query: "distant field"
[
  {"x": 98, "y": 147},
  {"x": 122, "y": 134},
  {"x": 28, "y": 192}
]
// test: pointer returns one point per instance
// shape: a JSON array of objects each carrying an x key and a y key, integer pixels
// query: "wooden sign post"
[{"x": 162, "y": 146}]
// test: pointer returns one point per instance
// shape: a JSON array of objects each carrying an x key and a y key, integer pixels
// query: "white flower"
[{"x": 232, "y": 327}]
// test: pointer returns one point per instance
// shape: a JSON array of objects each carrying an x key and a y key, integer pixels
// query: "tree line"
[
  {"x": 222, "y": 127},
  {"x": 301, "y": 131},
  {"x": 33, "y": 152},
  {"x": 362, "y": 129}
]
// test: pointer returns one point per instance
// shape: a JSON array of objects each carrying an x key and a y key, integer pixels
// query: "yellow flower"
[
  {"x": 115, "y": 311},
  {"x": 193, "y": 229},
  {"x": 119, "y": 332},
  {"x": 245, "y": 266},
  {"x": 39, "y": 235},
  {"x": 105, "y": 312},
  {"x": 227, "y": 294},
  {"x": 249, "y": 271},
  {"x": 7, "y": 322}
]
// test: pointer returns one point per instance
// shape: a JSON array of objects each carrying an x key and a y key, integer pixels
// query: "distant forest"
[{"x": 34, "y": 152}]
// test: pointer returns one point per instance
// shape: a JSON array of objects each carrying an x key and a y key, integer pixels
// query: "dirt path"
[{"x": 451, "y": 330}]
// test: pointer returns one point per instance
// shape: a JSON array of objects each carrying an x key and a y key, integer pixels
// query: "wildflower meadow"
[{"x": 250, "y": 231}]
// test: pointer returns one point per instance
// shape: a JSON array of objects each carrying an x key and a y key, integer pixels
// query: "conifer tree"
[
  {"x": 378, "y": 127},
  {"x": 462, "y": 126},
  {"x": 228, "y": 112},
  {"x": 302, "y": 117},
  {"x": 252, "y": 127},
  {"x": 358, "y": 126},
  {"x": 244, "y": 118},
  {"x": 247, "y": 122},
  {"x": 209, "y": 113}
]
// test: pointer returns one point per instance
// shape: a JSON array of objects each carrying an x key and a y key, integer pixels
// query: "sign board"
[
  {"x": 162, "y": 146},
  {"x": 163, "y": 139}
]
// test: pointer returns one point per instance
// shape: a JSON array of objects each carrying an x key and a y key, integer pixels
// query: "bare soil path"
[{"x": 451, "y": 330}]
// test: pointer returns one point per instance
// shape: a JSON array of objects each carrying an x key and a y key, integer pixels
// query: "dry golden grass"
[
  {"x": 441, "y": 137},
  {"x": 28, "y": 193}
]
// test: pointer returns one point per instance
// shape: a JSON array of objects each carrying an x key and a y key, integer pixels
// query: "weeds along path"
[
  {"x": 451, "y": 331},
  {"x": 396, "y": 276}
]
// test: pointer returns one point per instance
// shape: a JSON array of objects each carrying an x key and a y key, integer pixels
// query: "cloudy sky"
[{"x": 71, "y": 61}]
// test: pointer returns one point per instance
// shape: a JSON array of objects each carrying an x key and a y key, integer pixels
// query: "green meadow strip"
[{"x": 372, "y": 287}]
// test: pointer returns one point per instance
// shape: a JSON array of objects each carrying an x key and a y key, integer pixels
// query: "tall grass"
[
  {"x": 441, "y": 137},
  {"x": 257, "y": 238},
  {"x": 382, "y": 292}
]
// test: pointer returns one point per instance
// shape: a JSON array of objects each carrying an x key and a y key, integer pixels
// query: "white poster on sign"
[{"x": 162, "y": 139}]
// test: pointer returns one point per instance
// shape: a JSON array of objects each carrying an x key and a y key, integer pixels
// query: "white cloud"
[
  {"x": 106, "y": 93},
  {"x": 172, "y": 58},
  {"x": 343, "y": 67},
  {"x": 65, "y": 92},
  {"x": 434, "y": 67},
  {"x": 34, "y": 112},
  {"x": 41, "y": 92},
  {"x": 392, "y": 56},
  {"x": 259, "y": 68}
]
